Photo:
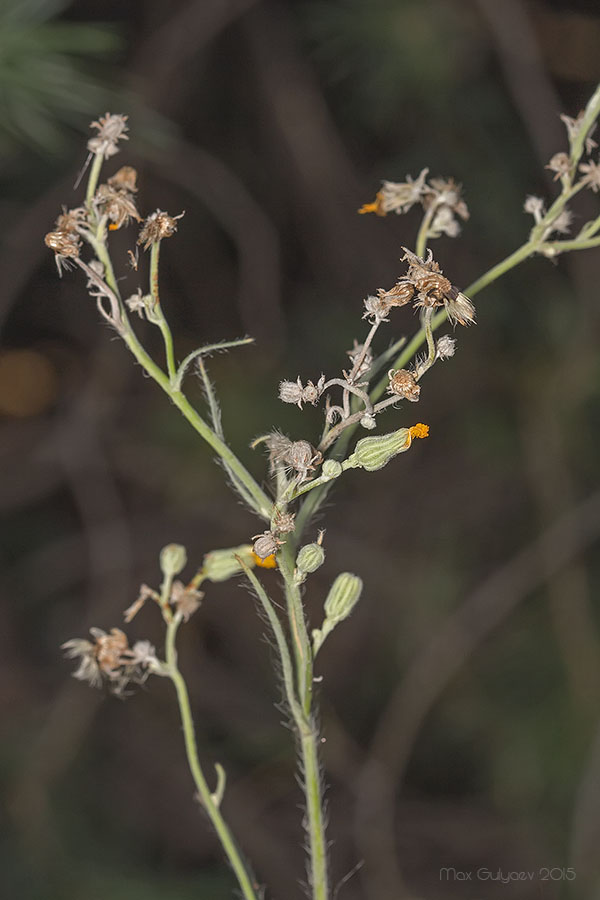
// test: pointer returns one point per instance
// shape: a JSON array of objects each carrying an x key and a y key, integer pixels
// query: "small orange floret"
[
  {"x": 374, "y": 207},
  {"x": 113, "y": 226},
  {"x": 269, "y": 562},
  {"x": 419, "y": 430}
]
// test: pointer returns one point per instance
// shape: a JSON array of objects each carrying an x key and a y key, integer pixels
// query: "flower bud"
[
  {"x": 173, "y": 559},
  {"x": 372, "y": 453},
  {"x": 368, "y": 422},
  {"x": 343, "y": 596},
  {"x": 219, "y": 565},
  {"x": 310, "y": 558}
]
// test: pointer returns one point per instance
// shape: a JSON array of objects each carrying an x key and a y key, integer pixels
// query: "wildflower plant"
[{"x": 300, "y": 470}]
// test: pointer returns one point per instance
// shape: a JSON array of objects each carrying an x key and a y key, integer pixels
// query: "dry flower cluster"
[{"x": 302, "y": 470}]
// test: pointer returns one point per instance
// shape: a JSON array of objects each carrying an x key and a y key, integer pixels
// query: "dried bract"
[
  {"x": 111, "y": 130},
  {"x": 459, "y": 308},
  {"x": 157, "y": 226},
  {"x": 404, "y": 385}
]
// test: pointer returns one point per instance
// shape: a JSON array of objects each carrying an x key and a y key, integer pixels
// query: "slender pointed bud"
[
  {"x": 173, "y": 559},
  {"x": 372, "y": 453},
  {"x": 220, "y": 565},
  {"x": 310, "y": 558},
  {"x": 343, "y": 596}
]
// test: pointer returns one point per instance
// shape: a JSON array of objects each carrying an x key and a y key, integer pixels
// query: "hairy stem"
[
  {"x": 158, "y": 313},
  {"x": 204, "y": 794}
]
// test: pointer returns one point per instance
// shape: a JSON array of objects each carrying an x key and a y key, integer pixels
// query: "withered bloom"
[
  {"x": 71, "y": 219},
  {"x": 186, "y": 600},
  {"x": 591, "y": 176},
  {"x": 66, "y": 245},
  {"x": 296, "y": 392},
  {"x": 109, "y": 658},
  {"x": 560, "y": 164},
  {"x": 117, "y": 205},
  {"x": 111, "y": 130},
  {"x": 125, "y": 179},
  {"x": 397, "y": 196},
  {"x": 157, "y": 226},
  {"x": 403, "y": 384}
]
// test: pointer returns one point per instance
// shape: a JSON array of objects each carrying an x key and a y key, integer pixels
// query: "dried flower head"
[
  {"x": 376, "y": 310},
  {"x": 591, "y": 176},
  {"x": 397, "y": 196},
  {"x": 444, "y": 222},
  {"x": 560, "y": 163},
  {"x": 109, "y": 658},
  {"x": 185, "y": 599},
  {"x": 426, "y": 276},
  {"x": 562, "y": 223},
  {"x": 404, "y": 385},
  {"x": 266, "y": 544},
  {"x": 116, "y": 204},
  {"x": 111, "y": 130},
  {"x": 459, "y": 308},
  {"x": 445, "y": 347},
  {"x": 66, "y": 245},
  {"x": 535, "y": 207},
  {"x": 124, "y": 179},
  {"x": 446, "y": 193},
  {"x": 284, "y": 522},
  {"x": 296, "y": 392},
  {"x": 71, "y": 219},
  {"x": 399, "y": 295},
  {"x": 157, "y": 226}
]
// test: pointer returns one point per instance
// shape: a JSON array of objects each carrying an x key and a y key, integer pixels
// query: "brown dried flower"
[
  {"x": 71, "y": 219},
  {"x": 111, "y": 130},
  {"x": 157, "y": 226},
  {"x": 109, "y": 658},
  {"x": 117, "y": 205},
  {"x": 284, "y": 522},
  {"x": 376, "y": 310},
  {"x": 404, "y": 385},
  {"x": 66, "y": 245},
  {"x": 459, "y": 308}
]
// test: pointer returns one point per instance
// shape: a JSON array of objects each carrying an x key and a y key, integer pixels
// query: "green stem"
[
  {"x": 93, "y": 179},
  {"x": 158, "y": 315},
  {"x": 423, "y": 234},
  {"x": 316, "y": 823},
  {"x": 556, "y": 247},
  {"x": 191, "y": 749},
  {"x": 592, "y": 111},
  {"x": 299, "y": 631}
]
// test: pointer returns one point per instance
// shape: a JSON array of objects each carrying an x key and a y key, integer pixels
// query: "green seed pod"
[
  {"x": 331, "y": 468},
  {"x": 173, "y": 558},
  {"x": 372, "y": 453},
  {"x": 309, "y": 558},
  {"x": 219, "y": 565},
  {"x": 343, "y": 596}
]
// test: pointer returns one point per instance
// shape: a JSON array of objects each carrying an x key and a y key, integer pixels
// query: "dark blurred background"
[{"x": 461, "y": 701}]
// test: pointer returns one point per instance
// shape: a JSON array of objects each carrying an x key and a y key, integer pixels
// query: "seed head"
[
  {"x": 117, "y": 205},
  {"x": 404, "y": 385},
  {"x": 71, "y": 219},
  {"x": 125, "y": 179},
  {"x": 376, "y": 310},
  {"x": 401, "y": 294},
  {"x": 157, "y": 226},
  {"x": 284, "y": 522},
  {"x": 591, "y": 176},
  {"x": 355, "y": 354},
  {"x": 397, "y": 196},
  {"x": 111, "y": 129},
  {"x": 459, "y": 308}
]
